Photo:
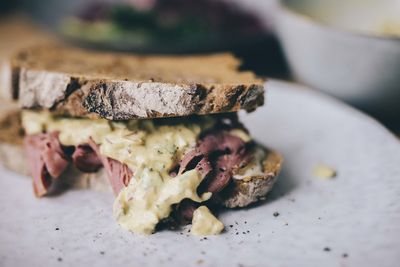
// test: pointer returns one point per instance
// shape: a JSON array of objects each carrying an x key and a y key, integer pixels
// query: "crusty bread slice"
[
  {"x": 243, "y": 192},
  {"x": 116, "y": 86},
  {"x": 240, "y": 193}
]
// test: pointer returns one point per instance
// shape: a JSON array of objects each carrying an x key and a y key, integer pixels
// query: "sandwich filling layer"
[{"x": 154, "y": 166}]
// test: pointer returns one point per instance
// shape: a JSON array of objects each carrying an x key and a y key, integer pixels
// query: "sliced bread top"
[{"x": 119, "y": 86}]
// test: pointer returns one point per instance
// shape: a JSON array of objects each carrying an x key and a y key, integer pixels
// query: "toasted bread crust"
[
  {"x": 121, "y": 87},
  {"x": 243, "y": 192}
]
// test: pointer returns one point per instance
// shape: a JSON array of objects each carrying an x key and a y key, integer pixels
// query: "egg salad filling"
[
  {"x": 205, "y": 223},
  {"x": 151, "y": 149}
]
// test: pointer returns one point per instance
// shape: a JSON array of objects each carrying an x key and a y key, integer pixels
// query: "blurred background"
[{"x": 347, "y": 48}]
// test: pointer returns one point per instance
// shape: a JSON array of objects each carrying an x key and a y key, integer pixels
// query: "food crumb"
[
  {"x": 276, "y": 214},
  {"x": 199, "y": 261},
  {"x": 327, "y": 249},
  {"x": 324, "y": 172}
]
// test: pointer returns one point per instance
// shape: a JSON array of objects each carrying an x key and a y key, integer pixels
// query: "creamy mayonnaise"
[
  {"x": 148, "y": 199},
  {"x": 205, "y": 223}
]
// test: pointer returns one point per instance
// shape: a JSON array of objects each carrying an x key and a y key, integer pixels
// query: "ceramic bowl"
[{"x": 349, "y": 49}]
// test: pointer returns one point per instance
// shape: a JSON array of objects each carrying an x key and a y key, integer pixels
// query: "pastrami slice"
[
  {"x": 217, "y": 155},
  {"x": 46, "y": 160},
  {"x": 86, "y": 159},
  {"x": 119, "y": 174}
]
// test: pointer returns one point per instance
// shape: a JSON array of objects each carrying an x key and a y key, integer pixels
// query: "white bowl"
[{"x": 340, "y": 47}]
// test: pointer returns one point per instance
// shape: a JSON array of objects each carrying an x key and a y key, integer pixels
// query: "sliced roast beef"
[
  {"x": 217, "y": 155},
  {"x": 185, "y": 210},
  {"x": 46, "y": 158},
  {"x": 47, "y": 161},
  {"x": 119, "y": 174},
  {"x": 86, "y": 159},
  {"x": 219, "y": 152}
]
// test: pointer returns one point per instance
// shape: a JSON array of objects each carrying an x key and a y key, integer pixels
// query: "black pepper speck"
[
  {"x": 327, "y": 249},
  {"x": 276, "y": 214}
]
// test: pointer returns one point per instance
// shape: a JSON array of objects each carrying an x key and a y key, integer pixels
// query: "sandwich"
[{"x": 161, "y": 132}]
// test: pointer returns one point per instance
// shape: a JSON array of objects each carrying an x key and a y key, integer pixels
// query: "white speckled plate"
[{"x": 320, "y": 222}]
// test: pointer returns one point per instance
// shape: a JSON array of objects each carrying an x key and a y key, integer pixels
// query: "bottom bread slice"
[{"x": 240, "y": 193}]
